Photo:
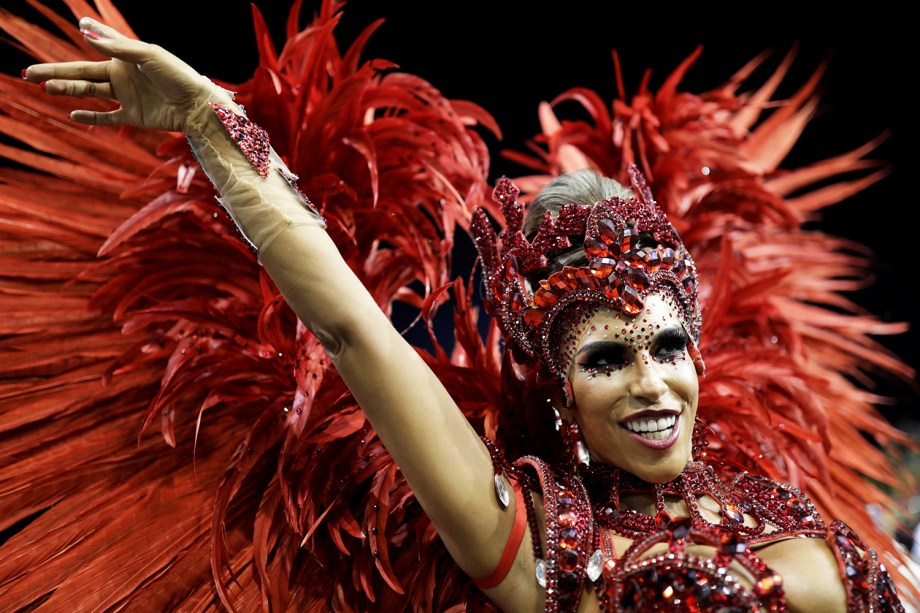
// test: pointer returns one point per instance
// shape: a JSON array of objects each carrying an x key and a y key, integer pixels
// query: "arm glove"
[{"x": 256, "y": 188}]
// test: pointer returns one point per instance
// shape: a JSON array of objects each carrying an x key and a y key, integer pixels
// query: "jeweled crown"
[{"x": 623, "y": 268}]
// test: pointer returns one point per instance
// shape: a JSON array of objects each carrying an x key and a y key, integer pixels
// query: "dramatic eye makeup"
[
  {"x": 667, "y": 345},
  {"x": 670, "y": 343},
  {"x": 602, "y": 355}
]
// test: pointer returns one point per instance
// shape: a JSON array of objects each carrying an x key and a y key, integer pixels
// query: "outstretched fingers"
[
  {"x": 79, "y": 88},
  {"x": 99, "y": 118},
  {"x": 85, "y": 71},
  {"x": 114, "y": 44},
  {"x": 154, "y": 88}
]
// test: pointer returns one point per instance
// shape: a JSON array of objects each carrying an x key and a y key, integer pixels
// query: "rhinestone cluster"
[
  {"x": 869, "y": 586},
  {"x": 249, "y": 137}
]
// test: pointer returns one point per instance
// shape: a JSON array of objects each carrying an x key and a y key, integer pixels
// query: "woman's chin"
[{"x": 662, "y": 472}]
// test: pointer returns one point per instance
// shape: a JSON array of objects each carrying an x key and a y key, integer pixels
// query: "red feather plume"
[{"x": 133, "y": 303}]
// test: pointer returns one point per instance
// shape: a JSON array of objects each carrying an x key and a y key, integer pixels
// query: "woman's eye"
[
  {"x": 671, "y": 345},
  {"x": 603, "y": 360}
]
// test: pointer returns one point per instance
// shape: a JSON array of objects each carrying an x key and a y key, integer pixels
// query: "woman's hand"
[{"x": 154, "y": 88}]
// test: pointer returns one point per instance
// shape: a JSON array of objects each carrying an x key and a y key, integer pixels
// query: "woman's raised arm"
[{"x": 441, "y": 456}]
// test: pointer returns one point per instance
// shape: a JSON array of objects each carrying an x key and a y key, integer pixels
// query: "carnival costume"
[{"x": 278, "y": 495}]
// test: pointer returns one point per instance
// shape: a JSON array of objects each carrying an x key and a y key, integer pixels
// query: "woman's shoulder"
[
  {"x": 784, "y": 505},
  {"x": 823, "y": 563}
]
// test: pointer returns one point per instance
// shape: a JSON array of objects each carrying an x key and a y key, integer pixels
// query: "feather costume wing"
[{"x": 132, "y": 304}]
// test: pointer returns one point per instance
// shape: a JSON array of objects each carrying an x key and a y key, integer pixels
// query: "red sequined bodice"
[{"x": 662, "y": 569}]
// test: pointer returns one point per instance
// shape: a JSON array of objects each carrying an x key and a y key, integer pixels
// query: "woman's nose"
[{"x": 647, "y": 381}]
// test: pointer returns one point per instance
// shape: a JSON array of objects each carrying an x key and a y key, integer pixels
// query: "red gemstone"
[
  {"x": 559, "y": 282},
  {"x": 667, "y": 258},
  {"x": 653, "y": 261},
  {"x": 612, "y": 288},
  {"x": 602, "y": 267},
  {"x": 733, "y": 513},
  {"x": 534, "y": 317},
  {"x": 632, "y": 301},
  {"x": 637, "y": 278},
  {"x": 662, "y": 519},
  {"x": 545, "y": 298},
  {"x": 595, "y": 249},
  {"x": 629, "y": 240},
  {"x": 585, "y": 279},
  {"x": 567, "y": 519},
  {"x": 565, "y": 499},
  {"x": 568, "y": 539},
  {"x": 635, "y": 257},
  {"x": 568, "y": 560},
  {"x": 608, "y": 231},
  {"x": 680, "y": 268}
]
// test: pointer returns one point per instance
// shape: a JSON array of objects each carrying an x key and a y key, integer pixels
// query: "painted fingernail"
[
  {"x": 42, "y": 85},
  {"x": 24, "y": 71},
  {"x": 91, "y": 34}
]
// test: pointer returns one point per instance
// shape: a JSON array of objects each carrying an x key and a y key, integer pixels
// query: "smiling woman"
[
  {"x": 632, "y": 508},
  {"x": 636, "y": 390},
  {"x": 225, "y": 260}
]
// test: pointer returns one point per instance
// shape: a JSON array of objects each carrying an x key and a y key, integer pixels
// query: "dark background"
[{"x": 508, "y": 56}]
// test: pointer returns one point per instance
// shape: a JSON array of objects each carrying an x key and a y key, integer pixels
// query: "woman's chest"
[{"x": 795, "y": 574}]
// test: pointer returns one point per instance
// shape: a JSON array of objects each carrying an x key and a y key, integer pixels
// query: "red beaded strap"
[{"x": 511, "y": 546}]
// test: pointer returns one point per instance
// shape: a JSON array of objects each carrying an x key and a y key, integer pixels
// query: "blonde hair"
[{"x": 585, "y": 186}]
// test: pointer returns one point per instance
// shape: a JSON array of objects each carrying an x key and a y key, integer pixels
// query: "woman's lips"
[{"x": 654, "y": 443}]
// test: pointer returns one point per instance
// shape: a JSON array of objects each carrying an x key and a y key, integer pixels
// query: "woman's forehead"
[{"x": 608, "y": 324}]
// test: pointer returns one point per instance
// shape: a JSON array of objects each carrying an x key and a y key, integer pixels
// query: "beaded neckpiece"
[
  {"x": 662, "y": 569},
  {"x": 620, "y": 273}
]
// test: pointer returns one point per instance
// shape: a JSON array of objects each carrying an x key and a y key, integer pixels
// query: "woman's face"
[{"x": 636, "y": 390}]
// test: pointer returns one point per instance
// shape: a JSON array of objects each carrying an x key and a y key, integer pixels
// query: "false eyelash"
[
  {"x": 613, "y": 354},
  {"x": 671, "y": 340}
]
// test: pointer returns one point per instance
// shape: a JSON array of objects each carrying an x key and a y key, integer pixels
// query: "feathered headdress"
[{"x": 621, "y": 269}]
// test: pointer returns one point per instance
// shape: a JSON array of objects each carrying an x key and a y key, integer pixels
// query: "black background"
[{"x": 509, "y": 56}]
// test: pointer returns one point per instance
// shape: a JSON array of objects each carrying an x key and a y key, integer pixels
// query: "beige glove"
[{"x": 157, "y": 90}]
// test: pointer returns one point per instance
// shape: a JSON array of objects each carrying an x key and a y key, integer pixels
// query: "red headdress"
[{"x": 631, "y": 249}]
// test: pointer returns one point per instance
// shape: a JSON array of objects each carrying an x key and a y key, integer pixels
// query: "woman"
[{"x": 617, "y": 335}]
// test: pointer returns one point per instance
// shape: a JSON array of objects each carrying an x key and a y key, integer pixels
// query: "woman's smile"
[{"x": 654, "y": 429}]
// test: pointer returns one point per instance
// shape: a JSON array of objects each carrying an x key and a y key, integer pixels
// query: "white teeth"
[{"x": 654, "y": 429}]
